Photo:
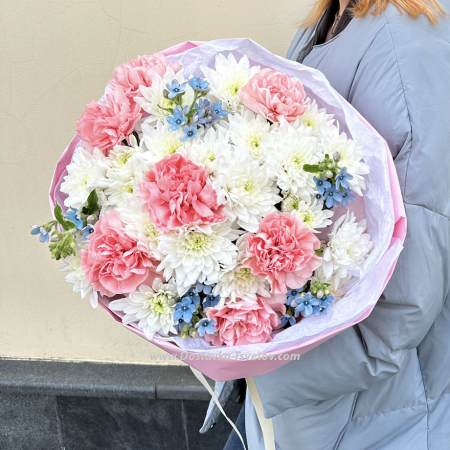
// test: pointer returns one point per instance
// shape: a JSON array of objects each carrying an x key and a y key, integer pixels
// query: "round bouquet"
[{"x": 226, "y": 204}]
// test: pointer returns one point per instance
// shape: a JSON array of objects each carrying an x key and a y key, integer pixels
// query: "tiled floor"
[{"x": 34, "y": 422}]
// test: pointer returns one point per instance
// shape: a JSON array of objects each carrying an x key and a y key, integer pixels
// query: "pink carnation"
[
  {"x": 243, "y": 323},
  {"x": 275, "y": 95},
  {"x": 139, "y": 72},
  {"x": 104, "y": 125},
  {"x": 112, "y": 261},
  {"x": 283, "y": 251},
  {"x": 179, "y": 193}
]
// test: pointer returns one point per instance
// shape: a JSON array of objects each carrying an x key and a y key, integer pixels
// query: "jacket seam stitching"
[
  {"x": 365, "y": 53},
  {"x": 394, "y": 410},
  {"x": 419, "y": 28},
  {"x": 350, "y": 418},
  {"x": 438, "y": 397},
  {"x": 405, "y": 99},
  {"x": 428, "y": 209},
  {"x": 426, "y": 398}
]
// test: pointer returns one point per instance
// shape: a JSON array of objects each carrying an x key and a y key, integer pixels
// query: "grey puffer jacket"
[{"x": 385, "y": 383}]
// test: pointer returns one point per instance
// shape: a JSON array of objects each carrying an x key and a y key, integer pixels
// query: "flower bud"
[
  {"x": 194, "y": 333},
  {"x": 319, "y": 294},
  {"x": 91, "y": 219},
  {"x": 329, "y": 174},
  {"x": 327, "y": 291},
  {"x": 54, "y": 239},
  {"x": 337, "y": 156}
]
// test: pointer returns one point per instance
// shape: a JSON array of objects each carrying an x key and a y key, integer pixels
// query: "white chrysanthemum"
[
  {"x": 245, "y": 189},
  {"x": 351, "y": 154},
  {"x": 204, "y": 150},
  {"x": 152, "y": 98},
  {"x": 151, "y": 307},
  {"x": 77, "y": 277},
  {"x": 316, "y": 119},
  {"x": 247, "y": 130},
  {"x": 84, "y": 173},
  {"x": 196, "y": 253},
  {"x": 228, "y": 77},
  {"x": 286, "y": 151},
  {"x": 160, "y": 142},
  {"x": 120, "y": 154},
  {"x": 138, "y": 226},
  {"x": 120, "y": 182},
  {"x": 347, "y": 248},
  {"x": 237, "y": 282},
  {"x": 310, "y": 213}
]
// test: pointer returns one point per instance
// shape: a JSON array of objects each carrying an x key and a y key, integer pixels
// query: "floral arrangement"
[{"x": 212, "y": 207}]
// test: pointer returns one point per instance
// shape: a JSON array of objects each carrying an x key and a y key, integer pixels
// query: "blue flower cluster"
[
  {"x": 335, "y": 193},
  {"x": 305, "y": 304},
  {"x": 201, "y": 114},
  {"x": 188, "y": 313}
]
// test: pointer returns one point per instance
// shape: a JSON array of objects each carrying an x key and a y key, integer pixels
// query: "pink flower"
[
  {"x": 275, "y": 95},
  {"x": 243, "y": 323},
  {"x": 112, "y": 261},
  {"x": 179, "y": 193},
  {"x": 104, "y": 125},
  {"x": 283, "y": 251},
  {"x": 139, "y": 72}
]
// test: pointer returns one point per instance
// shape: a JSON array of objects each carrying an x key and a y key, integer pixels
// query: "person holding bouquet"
[{"x": 384, "y": 383}]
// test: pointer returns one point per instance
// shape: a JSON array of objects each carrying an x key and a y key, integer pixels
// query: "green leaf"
[
  {"x": 92, "y": 204},
  {"x": 59, "y": 216},
  {"x": 311, "y": 168}
]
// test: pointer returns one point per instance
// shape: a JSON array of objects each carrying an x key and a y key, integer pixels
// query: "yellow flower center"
[
  {"x": 197, "y": 244},
  {"x": 128, "y": 186},
  {"x": 123, "y": 158},
  {"x": 308, "y": 218},
  {"x": 297, "y": 162},
  {"x": 244, "y": 274},
  {"x": 150, "y": 230},
  {"x": 249, "y": 187}
]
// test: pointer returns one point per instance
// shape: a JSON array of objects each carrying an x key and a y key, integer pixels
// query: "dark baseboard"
[{"x": 94, "y": 379}]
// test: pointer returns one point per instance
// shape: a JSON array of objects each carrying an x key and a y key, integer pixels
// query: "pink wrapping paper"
[{"x": 220, "y": 369}]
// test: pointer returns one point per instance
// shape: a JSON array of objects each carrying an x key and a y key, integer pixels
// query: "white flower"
[
  {"x": 152, "y": 98},
  {"x": 347, "y": 248},
  {"x": 120, "y": 182},
  {"x": 195, "y": 253},
  {"x": 237, "y": 282},
  {"x": 245, "y": 189},
  {"x": 317, "y": 119},
  {"x": 160, "y": 142},
  {"x": 138, "y": 226},
  {"x": 310, "y": 213},
  {"x": 203, "y": 151},
  {"x": 77, "y": 277},
  {"x": 120, "y": 154},
  {"x": 286, "y": 151},
  {"x": 247, "y": 130},
  {"x": 228, "y": 77},
  {"x": 351, "y": 155},
  {"x": 84, "y": 173},
  {"x": 151, "y": 307}
]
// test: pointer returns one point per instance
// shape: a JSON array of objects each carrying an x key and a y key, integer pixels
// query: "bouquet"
[{"x": 219, "y": 197}]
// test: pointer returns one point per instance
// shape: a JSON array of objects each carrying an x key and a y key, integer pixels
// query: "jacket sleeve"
[{"x": 401, "y": 89}]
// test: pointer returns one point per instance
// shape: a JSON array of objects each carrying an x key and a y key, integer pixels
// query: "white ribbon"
[
  {"x": 266, "y": 424},
  {"x": 202, "y": 380}
]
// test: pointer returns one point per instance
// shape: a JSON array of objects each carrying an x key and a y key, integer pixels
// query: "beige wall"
[{"x": 56, "y": 56}]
